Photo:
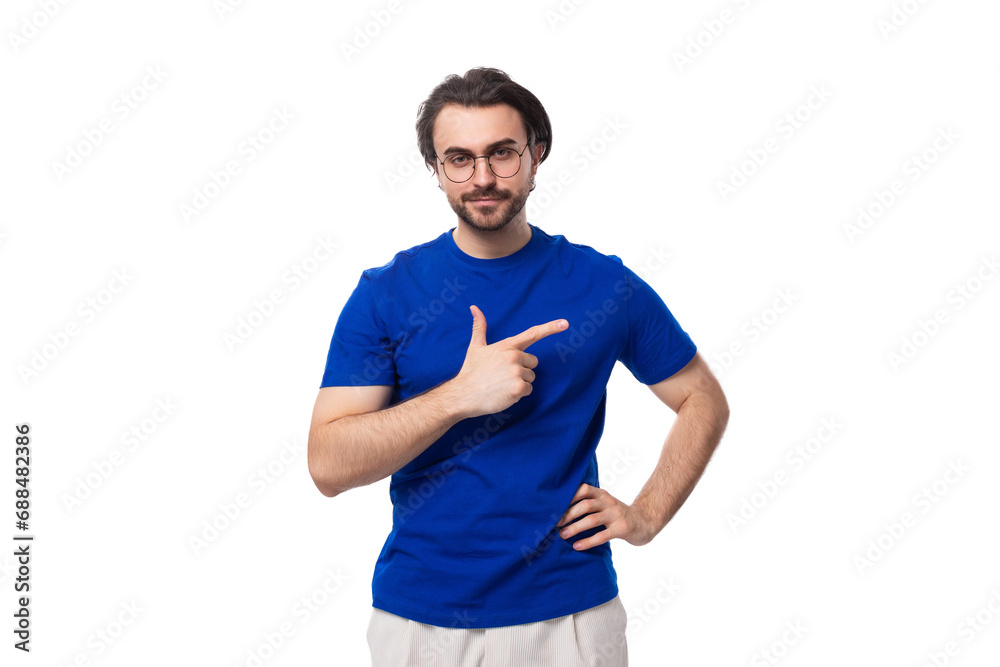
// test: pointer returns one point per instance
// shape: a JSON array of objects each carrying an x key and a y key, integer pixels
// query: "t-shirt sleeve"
[
  {"x": 361, "y": 351},
  {"x": 656, "y": 346}
]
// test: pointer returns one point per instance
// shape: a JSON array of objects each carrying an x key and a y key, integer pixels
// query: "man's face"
[{"x": 474, "y": 131}]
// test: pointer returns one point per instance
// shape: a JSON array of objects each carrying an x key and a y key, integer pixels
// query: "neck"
[{"x": 492, "y": 244}]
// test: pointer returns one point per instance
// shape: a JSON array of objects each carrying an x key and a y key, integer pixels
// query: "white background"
[{"x": 826, "y": 551}]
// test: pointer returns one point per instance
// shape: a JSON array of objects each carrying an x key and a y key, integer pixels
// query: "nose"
[{"x": 483, "y": 176}]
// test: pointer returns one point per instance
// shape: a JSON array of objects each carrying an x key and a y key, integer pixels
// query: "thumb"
[{"x": 478, "y": 327}]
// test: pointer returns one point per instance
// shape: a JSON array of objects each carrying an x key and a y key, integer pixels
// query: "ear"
[
  {"x": 435, "y": 174},
  {"x": 536, "y": 157}
]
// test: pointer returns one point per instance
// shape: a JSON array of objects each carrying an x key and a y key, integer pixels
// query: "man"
[{"x": 500, "y": 552}]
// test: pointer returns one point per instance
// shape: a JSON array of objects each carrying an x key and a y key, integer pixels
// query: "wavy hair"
[{"x": 482, "y": 87}]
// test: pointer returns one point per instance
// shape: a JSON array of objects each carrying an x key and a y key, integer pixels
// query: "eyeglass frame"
[{"x": 475, "y": 164}]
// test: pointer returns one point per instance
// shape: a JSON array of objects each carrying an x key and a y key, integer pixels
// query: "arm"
[
  {"x": 354, "y": 440},
  {"x": 702, "y": 414}
]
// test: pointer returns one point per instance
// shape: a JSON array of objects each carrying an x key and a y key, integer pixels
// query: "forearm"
[
  {"x": 701, "y": 421},
  {"x": 357, "y": 450}
]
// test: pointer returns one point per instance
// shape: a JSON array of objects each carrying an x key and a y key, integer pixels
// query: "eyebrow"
[{"x": 495, "y": 144}]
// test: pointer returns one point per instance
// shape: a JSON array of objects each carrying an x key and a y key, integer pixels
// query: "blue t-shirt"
[{"x": 473, "y": 542}]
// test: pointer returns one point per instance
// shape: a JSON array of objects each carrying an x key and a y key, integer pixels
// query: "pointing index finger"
[{"x": 534, "y": 334}]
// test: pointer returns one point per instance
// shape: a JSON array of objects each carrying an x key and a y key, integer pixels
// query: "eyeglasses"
[{"x": 503, "y": 161}]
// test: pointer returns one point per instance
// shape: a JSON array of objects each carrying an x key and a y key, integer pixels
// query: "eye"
[
  {"x": 458, "y": 160},
  {"x": 502, "y": 152}
]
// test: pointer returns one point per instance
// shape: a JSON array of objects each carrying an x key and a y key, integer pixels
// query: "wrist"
[
  {"x": 648, "y": 517},
  {"x": 451, "y": 400}
]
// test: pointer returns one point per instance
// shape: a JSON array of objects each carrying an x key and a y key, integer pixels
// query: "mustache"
[{"x": 486, "y": 194}]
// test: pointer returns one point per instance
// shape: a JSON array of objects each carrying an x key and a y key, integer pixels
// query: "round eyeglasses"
[{"x": 503, "y": 161}]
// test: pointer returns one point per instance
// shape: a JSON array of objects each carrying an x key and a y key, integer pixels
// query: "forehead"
[{"x": 476, "y": 127}]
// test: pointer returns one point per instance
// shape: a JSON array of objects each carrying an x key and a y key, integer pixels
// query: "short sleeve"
[
  {"x": 361, "y": 352},
  {"x": 656, "y": 345}
]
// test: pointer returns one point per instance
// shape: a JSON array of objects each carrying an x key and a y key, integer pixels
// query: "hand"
[
  {"x": 629, "y": 522},
  {"x": 494, "y": 377}
]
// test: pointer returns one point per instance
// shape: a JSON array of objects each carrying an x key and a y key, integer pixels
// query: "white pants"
[{"x": 589, "y": 638}]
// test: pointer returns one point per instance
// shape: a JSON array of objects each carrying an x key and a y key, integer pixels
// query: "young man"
[{"x": 500, "y": 545}]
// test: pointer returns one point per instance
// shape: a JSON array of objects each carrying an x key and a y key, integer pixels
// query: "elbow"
[
  {"x": 325, "y": 486},
  {"x": 722, "y": 411},
  {"x": 716, "y": 398},
  {"x": 327, "y": 491},
  {"x": 324, "y": 482},
  {"x": 321, "y": 467},
  {"x": 723, "y": 406},
  {"x": 710, "y": 402}
]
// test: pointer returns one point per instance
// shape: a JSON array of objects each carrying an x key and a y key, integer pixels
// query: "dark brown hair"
[{"x": 482, "y": 87}]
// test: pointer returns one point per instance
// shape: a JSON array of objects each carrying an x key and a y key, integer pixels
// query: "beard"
[{"x": 489, "y": 218}]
